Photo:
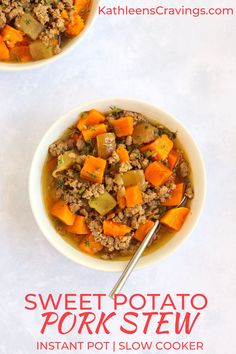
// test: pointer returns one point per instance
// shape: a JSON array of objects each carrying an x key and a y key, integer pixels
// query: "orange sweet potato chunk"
[
  {"x": 4, "y": 51},
  {"x": 174, "y": 218},
  {"x": 123, "y": 126},
  {"x": 93, "y": 169},
  {"x": 160, "y": 147},
  {"x": 21, "y": 53},
  {"x": 115, "y": 229},
  {"x": 157, "y": 173},
  {"x": 92, "y": 117},
  {"x": 123, "y": 154},
  {"x": 79, "y": 227},
  {"x": 143, "y": 230},
  {"x": 133, "y": 196},
  {"x": 61, "y": 210},
  {"x": 93, "y": 131},
  {"x": 11, "y": 36},
  {"x": 173, "y": 158},
  {"x": 80, "y": 5},
  {"x": 74, "y": 27}
]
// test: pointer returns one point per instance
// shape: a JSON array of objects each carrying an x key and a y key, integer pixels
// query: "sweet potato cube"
[
  {"x": 123, "y": 126},
  {"x": 133, "y": 196},
  {"x": 81, "y": 5},
  {"x": 11, "y": 36},
  {"x": 4, "y": 51},
  {"x": 115, "y": 229},
  {"x": 92, "y": 117},
  {"x": 160, "y": 148},
  {"x": 174, "y": 218},
  {"x": 93, "y": 169},
  {"x": 79, "y": 227},
  {"x": 123, "y": 154},
  {"x": 173, "y": 158},
  {"x": 75, "y": 26},
  {"x": 157, "y": 173},
  {"x": 21, "y": 53},
  {"x": 61, "y": 210},
  {"x": 143, "y": 230},
  {"x": 93, "y": 131},
  {"x": 95, "y": 117}
]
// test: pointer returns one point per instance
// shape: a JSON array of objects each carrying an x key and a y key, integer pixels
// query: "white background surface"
[{"x": 182, "y": 64}]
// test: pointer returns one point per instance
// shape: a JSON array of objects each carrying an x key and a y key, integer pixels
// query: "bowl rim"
[
  {"x": 104, "y": 265},
  {"x": 73, "y": 42}
]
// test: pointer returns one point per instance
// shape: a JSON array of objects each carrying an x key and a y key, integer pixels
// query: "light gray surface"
[{"x": 184, "y": 65}]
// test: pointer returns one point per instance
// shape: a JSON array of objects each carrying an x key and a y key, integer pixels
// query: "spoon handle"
[{"x": 132, "y": 263}]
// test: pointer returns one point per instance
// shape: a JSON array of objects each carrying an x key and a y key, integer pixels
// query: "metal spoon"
[{"x": 134, "y": 260}]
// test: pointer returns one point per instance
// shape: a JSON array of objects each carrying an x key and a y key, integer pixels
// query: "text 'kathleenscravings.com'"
[{"x": 164, "y": 8}]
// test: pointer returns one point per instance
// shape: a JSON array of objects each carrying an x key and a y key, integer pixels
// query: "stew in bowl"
[
  {"x": 110, "y": 176},
  {"x": 36, "y": 30}
]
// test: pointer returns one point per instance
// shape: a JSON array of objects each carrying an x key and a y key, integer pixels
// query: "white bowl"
[
  {"x": 152, "y": 112},
  {"x": 68, "y": 47}
]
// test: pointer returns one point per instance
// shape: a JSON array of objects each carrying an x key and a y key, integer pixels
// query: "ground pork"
[
  {"x": 189, "y": 192},
  {"x": 128, "y": 251},
  {"x": 114, "y": 243},
  {"x": 57, "y": 49},
  {"x": 84, "y": 212},
  {"x": 128, "y": 140},
  {"x": 125, "y": 166},
  {"x": 152, "y": 210},
  {"x": 183, "y": 169},
  {"x": 118, "y": 179},
  {"x": 72, "y": 179},
  {"x": 80, "y": 143},
  {"x": 3, "y": 19},
  {"x": 60, "y": 146},
  {"x": 163, "y": 192},
  {"x": 109, "y": 183},
  {"x": 80, "y": 159},
  {"x": 136, "y": 210},
  {"x": 119, "y": 217},
  {"x": 93, "y": 191},
  {"x": 135, "y": 158},
  {"x": 107, "y": 256},
  {"x": 145, "y": 162},
  {"x": 42, "y": 13},
  {"x": 149, "y": 195},
  {"x": 15, "y": 12},
  {"x": 69, "y": 188},
  {"x": 95, "y": 227},
  {"x": 114, "y": 158},
  {"x": 69, "y": 197},
  {"x": 137, "y": 220}
]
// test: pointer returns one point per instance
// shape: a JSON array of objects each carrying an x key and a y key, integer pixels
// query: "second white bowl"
[{"x": 68, "y": 47}]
